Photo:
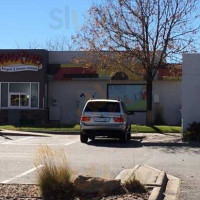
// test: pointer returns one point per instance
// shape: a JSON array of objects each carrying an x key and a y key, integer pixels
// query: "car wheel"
[
  {"x": 84, "y": 138},
  {"x": 124, "y": 137}
]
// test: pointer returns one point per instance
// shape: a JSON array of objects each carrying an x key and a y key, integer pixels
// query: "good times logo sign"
[{"x": 17, "y": 62}]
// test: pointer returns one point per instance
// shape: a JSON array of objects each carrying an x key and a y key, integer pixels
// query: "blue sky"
[{"x": 25, "y": 21}]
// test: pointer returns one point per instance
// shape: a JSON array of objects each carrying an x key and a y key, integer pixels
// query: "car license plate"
[{"x": 101, "y": 119}]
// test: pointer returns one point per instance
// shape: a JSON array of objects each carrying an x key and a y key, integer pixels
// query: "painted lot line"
[
  {"x": 30, "y": 170},
  {"x": 35, "y": 143},
  {"x": 23, "y": 174},
  {"x": 67, "y": 144},
  {"x": 22, "y": 139}
]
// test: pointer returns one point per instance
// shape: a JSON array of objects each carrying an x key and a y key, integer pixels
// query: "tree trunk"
[{"x": 149, "y": 88}]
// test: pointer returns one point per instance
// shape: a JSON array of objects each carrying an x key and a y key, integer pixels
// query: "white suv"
[{"x": 103, "y": 117}]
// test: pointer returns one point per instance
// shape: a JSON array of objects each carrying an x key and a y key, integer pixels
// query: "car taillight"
[
  {"x": 85, "y": 119},
  {"x": 118, "y": 119}
]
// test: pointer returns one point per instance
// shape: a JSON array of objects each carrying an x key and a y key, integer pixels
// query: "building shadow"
[{"x": 174, "y": 147}]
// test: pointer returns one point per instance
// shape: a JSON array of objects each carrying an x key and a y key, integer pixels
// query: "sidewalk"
[{"x": 144, "y": 137}]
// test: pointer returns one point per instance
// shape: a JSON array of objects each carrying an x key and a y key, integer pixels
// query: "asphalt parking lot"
[{"x": 103, "y": 157}]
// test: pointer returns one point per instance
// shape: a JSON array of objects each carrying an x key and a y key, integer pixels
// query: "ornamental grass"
[{"x": 53, "y": 174}]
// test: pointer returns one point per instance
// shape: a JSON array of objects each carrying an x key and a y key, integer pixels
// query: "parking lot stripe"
[
  {"x": 11, "y": 142},
  {"x": 17, "y": 143},
  {"x": 33, "y": 144},
  {"x": 67, "y": 144},
  {"x": 21, "y": 175}
]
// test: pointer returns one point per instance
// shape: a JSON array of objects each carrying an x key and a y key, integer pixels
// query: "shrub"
[
  {"x": 134, "y": 185},
  {"x": 54, "y": 177},
  {"x": 193, "y": 132}
]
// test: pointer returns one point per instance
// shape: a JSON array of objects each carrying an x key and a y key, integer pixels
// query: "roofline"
[
  {"x": 21, "y": 49},
  {"x": 108, "y": 100}
]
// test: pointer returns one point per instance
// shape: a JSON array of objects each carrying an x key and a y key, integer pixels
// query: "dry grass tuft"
[
  {"x": 134, "y": 185},
  {"x": 54, "y": 177}
]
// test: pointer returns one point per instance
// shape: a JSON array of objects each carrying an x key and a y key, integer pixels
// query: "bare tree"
[
  {"x": 33, "y": 45},
  {"x": 149, "y": 32},
  {"x": 59, "y": 44},
  {"x": 30, "y": 45}
]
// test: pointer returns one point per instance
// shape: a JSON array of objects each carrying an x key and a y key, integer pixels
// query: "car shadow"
[{"x": 115, "y": 143}]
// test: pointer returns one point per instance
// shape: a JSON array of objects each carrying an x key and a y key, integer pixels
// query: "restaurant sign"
[{"x": 22, "y": 61}]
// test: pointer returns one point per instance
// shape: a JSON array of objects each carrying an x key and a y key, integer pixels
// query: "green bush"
[
  {"x": 134, "y": 185},
  {"x": 54, "y": 177},
  {"x": 193, "y": 132}
]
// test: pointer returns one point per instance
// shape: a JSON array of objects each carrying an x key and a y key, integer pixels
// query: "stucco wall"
[
  {"x": 66, "y": 105},
  {"x": 190, "y": 89},
  {"x": 169, "y": 105},
  {"x": 65, "y": 95}
]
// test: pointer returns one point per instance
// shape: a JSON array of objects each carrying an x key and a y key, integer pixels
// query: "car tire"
[
  {"x": 124, "y": 137},
  {"x": 84, "y": 138}
]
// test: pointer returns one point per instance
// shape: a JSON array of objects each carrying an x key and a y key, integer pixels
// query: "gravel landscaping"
[
  {"x": 129, "y": 197},
  {"x": 31, "y": 192}
]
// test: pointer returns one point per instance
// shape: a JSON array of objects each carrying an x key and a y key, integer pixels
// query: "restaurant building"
[
  {"x": 23, "y": 85},
  {"x": 39, "y": 86}
]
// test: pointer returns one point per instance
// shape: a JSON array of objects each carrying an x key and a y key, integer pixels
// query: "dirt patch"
[{"x": 32, "y": 192}]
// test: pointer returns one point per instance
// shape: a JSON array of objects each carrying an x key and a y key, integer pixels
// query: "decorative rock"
[{"x": 95, "y": 185}]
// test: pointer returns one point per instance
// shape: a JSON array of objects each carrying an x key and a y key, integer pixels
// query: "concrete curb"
[
  {"x": 125, "y": 174},
  {"x": 156, "y": 194},
  {"x": 38, "y": 133},
  {"x": 166, "y": 187},
  {"x": 173, "y": 188},
  {"x": 59, "y": 133}
]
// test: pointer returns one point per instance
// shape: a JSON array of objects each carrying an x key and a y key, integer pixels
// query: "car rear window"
[{"x": 102, "y": 107}]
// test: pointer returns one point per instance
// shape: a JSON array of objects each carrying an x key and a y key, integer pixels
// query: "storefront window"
[
  {"x": 19, "y": 87},
  {"x": 19, "y": 95}
]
